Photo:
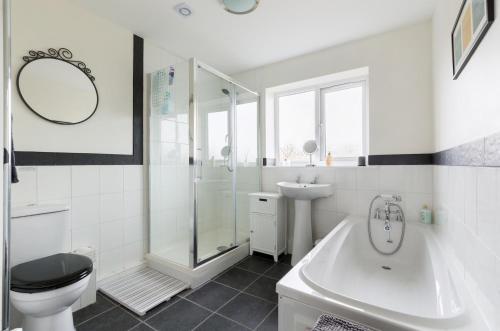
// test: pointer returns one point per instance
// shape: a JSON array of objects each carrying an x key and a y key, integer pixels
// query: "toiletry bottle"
[
  {"x": 329, "y": 159},
  {"x": 426, "y": 215}
]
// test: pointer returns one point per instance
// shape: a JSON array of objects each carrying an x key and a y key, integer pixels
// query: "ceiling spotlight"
[
  {"x": 183, "y": 9},
  {"x": 240, "y": 7}
]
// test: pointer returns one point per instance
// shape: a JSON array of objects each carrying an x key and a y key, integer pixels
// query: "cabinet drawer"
[{"x": 263, "y": 205}]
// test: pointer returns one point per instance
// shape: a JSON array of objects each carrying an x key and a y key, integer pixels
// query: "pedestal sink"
[{"x": 303, "y": 195}]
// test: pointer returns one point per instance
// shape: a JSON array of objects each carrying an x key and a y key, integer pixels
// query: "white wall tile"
[
  {"x": 133, "y": 177},
  {"x": 84, "y": 180},
  {"x": 111, "y": 235},
  {"x": 457, "y": 193},
  {"x": 111, "y": 178},
  {"x": 24, "y": 192},
  {"x": 133, "y": 254},
  {"x": 112, "y": 207},
  {"x": 133, "y": 230},
  {"x": 85, "y": 210},
  {"x": 418, "y": 179},
  {"x": 53, "y": 183},
  {"x": 346, "y": 201},
  {"x": 134, "y": 204},
  {"x": 487, "y": 205},
  {"x": 367, "y": 178},
  {"x": 470, "y": 198},
  {"x": 363, "y": 200},
  {"x": 324, "y": 221},
  {"x": 111, "y": 262},
  {"x": 85, "y": 236},
  {"x": 392, "y": 179},
  {"x": 345, "y": 178}
]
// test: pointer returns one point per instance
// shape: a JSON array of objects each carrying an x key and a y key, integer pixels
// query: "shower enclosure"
[{"x": 204, "y": 160}]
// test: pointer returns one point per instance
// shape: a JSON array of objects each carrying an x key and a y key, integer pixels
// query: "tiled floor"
[{"x": 241, "y": 298}]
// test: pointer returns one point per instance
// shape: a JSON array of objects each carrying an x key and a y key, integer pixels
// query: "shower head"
[{"x": 226, "y": 92}]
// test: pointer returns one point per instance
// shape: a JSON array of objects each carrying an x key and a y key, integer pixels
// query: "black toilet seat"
[{"x": 50, "y": 273}]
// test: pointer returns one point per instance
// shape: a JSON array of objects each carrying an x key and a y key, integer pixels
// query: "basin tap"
[
  {"x": 298, "y": 179},
  {"x": 315, "y": 180}
]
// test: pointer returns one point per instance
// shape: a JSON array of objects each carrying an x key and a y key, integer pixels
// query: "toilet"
[{"x": 45, "y": 280}]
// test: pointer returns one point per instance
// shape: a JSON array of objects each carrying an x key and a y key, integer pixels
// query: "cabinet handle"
[{"x": 263, "y": 200}]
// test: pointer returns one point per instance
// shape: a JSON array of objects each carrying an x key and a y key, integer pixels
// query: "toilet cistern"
[{"x": 303, "y": 194}]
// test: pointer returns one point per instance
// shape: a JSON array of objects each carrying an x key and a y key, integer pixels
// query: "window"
[
  {"x": 296, "y": 124},
  {"x": 333, "y": 115},
  {"x": 246, "y": 133}
]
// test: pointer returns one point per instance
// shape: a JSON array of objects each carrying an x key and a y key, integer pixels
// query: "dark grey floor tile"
[
  {"x": 270, "y": 323},
  {"x": 247, "y": 310},
  {"x": 237, "y": 278},
  {"x": 256, "y": 264},
  {"x": 142, "y": 327},
  {"x": 219, "y": 323},
  {"x": 212, "y": 295},
  {"x": 279, "y": 270},
  {"x": 265, "y": 288},
  {"x": 158, "y": 308},
  {"x": 101, "y": 305},
  {"x": 114, "y": 320},
  {"x": 285, "y": 258},
  {"x": 182, "y": 315}
]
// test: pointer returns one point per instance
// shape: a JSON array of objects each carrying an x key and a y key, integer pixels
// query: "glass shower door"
[{"x": 212, "y": 150}]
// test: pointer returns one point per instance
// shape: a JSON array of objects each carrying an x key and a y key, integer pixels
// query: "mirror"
[
  {"x": 310, "y": 147},
  {"x": 57, "y": 88}
]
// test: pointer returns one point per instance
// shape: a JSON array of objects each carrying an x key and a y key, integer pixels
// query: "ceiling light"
[
  {"x": 183, "y": 9},
  {"x": 240, "y": 6}
]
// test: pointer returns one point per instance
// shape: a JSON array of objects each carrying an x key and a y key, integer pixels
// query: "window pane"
[
  {"x": 344, "y": 121},
  {"x": 246, "y": 131},
  {"x": 217, "y": 134},
  {"x": 296, "y": 125}
]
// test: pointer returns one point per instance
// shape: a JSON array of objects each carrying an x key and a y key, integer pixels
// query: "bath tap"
[{"x": 298, "y": 179}]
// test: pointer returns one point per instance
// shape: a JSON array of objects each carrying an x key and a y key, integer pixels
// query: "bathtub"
[{"x": 410, "y": 290}]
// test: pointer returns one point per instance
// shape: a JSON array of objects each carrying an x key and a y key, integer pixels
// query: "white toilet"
[{"x": 45, "y": 280}]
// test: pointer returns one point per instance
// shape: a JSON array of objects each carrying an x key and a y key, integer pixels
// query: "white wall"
[
  {"x": 107, "y": 50},
  {"x": 354, "y": 189},
  {"x": 107, "y": 208},
  {"x": 468, "y": 108},
  {"x": 400, "y": 84}
]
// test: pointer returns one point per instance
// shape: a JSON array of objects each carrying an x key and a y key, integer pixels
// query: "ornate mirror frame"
[{"x": 64, "y": 55}]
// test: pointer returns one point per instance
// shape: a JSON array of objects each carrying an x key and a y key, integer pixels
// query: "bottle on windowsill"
[{"x": 329, "y": 159}]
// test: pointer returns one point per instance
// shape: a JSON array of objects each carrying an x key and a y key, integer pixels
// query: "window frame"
[{"x": 320, "y": 118}]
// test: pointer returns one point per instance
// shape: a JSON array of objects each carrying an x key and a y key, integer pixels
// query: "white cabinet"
[{"x": 267, "y": 223}]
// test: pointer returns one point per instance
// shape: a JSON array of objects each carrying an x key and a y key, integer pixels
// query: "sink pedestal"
[{"x": 302, "y": 233}]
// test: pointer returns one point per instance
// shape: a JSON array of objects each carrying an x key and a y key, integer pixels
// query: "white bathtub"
[{"x": 410, "y": 290}]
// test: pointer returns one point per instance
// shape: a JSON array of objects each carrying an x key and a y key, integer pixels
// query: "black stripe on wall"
[
  {"x": 400, "y": 159},
  {"x": 47, "y": 158}
]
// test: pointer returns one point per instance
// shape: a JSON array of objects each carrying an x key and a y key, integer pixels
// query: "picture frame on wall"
[{"x": 473, "y": 21}]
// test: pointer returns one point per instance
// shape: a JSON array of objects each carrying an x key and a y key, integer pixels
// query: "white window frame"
[{"x": 320, "y": 137}]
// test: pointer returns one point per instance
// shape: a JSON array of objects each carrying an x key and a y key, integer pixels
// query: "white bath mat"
[{"x": 141, "y": 289}]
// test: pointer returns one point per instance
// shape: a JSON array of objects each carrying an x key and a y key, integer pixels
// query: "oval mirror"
[
  {"x": 56, "y": 88},
  {"x": 310, "y": 146}
]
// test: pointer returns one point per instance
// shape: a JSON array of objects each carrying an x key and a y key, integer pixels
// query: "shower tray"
[{"x": 141, "y": 289}]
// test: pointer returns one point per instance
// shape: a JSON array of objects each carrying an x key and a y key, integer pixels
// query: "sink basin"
[{"x": 303, "y": 191}]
